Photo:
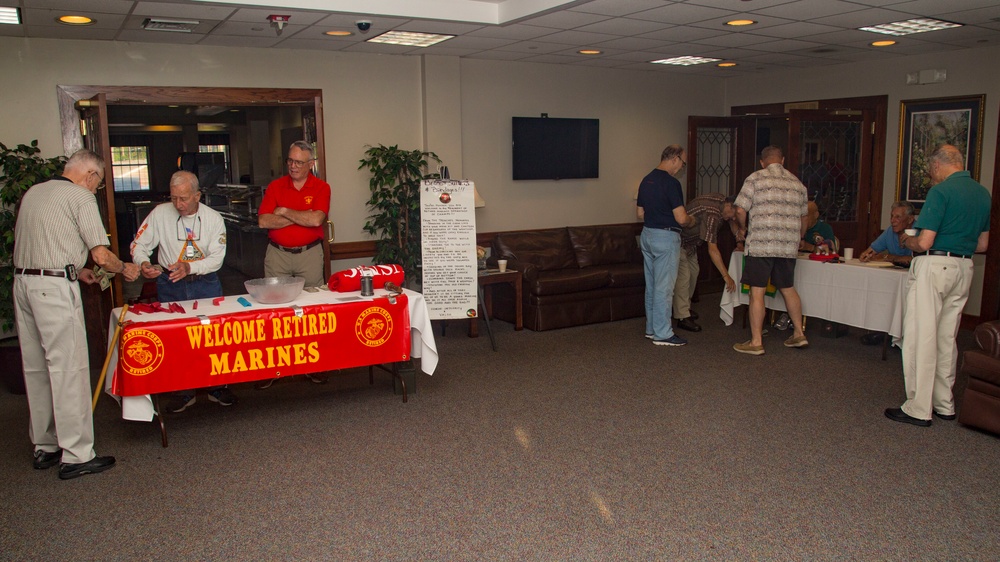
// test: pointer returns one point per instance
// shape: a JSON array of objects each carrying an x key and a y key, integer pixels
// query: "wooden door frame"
[
  {"x": 989, "y": 307},
  {"x": 879, "y": 105}
]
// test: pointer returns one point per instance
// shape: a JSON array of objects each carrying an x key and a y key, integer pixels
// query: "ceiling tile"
[
  {"x": 679, "y": 14},
  {"x": 623, "y": 26},
  {"x": 76, "y": 6},
  {"x": 564, "y": 20},
  {"x": 182, "y": 11},
  {"x": 619, "y": 7},
  {"x": 577, "y": 38},
  {"x": 810, "y": 9}
]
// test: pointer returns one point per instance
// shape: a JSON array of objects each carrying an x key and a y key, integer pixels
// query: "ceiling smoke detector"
[
  {"x": 278, "y": 22},
  {"x": 178, "y": 26}
]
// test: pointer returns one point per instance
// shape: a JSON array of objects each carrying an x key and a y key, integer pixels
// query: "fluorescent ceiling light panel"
[
  {"x": 10, "y": 15},
  {"x": 410, "y": 38},
  {"x": 685, "y": 61},
  {"x": 910, "y": 27},
  {"x": 179, "y": 26}
]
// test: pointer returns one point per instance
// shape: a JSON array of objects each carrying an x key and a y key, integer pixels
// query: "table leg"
[{"x": 159, "y": 416}]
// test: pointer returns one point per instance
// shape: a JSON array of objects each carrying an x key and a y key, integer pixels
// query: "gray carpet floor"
[{"x": 586, "y": 443}]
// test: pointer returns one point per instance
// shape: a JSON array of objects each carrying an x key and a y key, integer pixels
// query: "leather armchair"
[{"x": 981, "y": 401}]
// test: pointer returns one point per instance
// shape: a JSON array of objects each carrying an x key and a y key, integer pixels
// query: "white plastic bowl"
[{"x": 275, "y": 290}]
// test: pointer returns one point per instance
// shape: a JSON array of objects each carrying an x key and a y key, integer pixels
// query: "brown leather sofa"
[
  {"x": 572, "y": 276},
  {"x": 981, "y": 400}
]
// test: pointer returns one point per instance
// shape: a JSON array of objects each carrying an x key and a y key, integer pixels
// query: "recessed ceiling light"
[
  {"x": 726, "y": 64},
  {"x": 685, "y": 61},
  {"x": 337, "y": 33},
  {"x": 10, "y": 15},
  {"x": 410, "y": 38},
  {"x": 738, "y": 23},
  {"x": 589, "y": 52},
  {"x": 886, "y": 43},
  {"x": 76, "y": 20},
  {"x": 909, "y": 27}
]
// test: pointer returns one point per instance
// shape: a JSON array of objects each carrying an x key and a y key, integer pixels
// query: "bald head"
[
  {"x": 945, "y": 161},
  {"x": 771, "y": 155}
]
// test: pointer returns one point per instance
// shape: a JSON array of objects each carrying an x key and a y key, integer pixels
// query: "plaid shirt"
[{"x": 707, "y": 211}]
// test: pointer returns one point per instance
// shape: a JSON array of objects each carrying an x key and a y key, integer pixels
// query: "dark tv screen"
[{"x": 555, "y": 149}]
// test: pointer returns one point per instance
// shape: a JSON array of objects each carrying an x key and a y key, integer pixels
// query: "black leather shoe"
[
  {"x": 897, "y": 414},
  {"x": 688, "y": 324},
  {"x": 45, "y": 460},
  {"x": 945, "y": 417},
  {"x": 874, "y": 338},
  {"x": 694, "y": 315},
  {"x": 93, "y": 466}
]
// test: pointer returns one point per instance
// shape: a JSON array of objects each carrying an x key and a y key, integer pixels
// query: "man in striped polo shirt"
[{"x": 58, "y": 225}]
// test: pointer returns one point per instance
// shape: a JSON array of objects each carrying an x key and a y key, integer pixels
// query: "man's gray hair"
[
  {"x": 183, "y": 177},
  {"x": 85, "y": 160},
  {"x": 303, "y": 145},
  {"x": 905, "y": 205},
  {"x": 948, "y": 155}
]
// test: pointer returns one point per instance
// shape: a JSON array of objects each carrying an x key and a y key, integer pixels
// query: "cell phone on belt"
[{"x": 71, "y": 272}]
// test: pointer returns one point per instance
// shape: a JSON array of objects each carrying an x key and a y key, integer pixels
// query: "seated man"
[
  {"x": 819, "y": 232},
  {"x": 887, "y": 248}
]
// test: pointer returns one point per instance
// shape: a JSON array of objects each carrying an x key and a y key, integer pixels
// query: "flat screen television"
[{"x": 555, "y": 148}]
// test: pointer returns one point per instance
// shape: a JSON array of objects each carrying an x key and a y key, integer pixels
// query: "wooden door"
[
  {"x": 831, "y": 153},
  {"x": 720, "y": 155},
  {"x": 97, "y": 304}
]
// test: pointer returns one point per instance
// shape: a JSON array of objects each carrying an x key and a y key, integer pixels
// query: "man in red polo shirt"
[{"x": 293, "y": 211}]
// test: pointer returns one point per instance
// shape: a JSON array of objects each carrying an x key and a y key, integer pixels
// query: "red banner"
[{"x": 187, "y": 353}]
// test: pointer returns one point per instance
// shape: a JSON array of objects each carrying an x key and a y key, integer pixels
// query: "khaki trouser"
[
  {"x": 687, "y": 280},
  {"x": 929, "y": 349},
  {"x": 307, "y": 264},
  {"x": 53, "y": 340}
]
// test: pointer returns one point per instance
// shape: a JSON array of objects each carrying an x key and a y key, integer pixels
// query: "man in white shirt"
[{"x": 191, "y": 239}]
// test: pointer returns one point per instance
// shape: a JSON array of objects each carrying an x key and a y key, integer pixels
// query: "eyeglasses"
[
  {"x": 298, "y": 163},
  {"x": 683, "y": 162},
  {"x": 184, "y": 233},
  {"x": 100, "y": 178}
]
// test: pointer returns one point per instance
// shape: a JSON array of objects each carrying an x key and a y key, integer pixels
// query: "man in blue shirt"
[
  {"x": 953, "y": 225},
  {"x": 887, "y": 247},
  {"x": 660, "y": 205}
]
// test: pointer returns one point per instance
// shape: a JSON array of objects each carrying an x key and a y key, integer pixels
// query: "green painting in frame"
[{"x": 926, "y": 124}]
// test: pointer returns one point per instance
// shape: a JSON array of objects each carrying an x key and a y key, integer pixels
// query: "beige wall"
[
  {"x": 969, "y": 73},
  {"x": 461, "y": 108}
]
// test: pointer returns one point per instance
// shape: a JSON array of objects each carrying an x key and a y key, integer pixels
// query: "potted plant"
[
  {"x": 395, "y": 205},
  {"x": 20, "y": 168}
]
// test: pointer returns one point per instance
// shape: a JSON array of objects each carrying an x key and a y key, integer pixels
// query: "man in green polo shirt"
[{"x": 953, "y": 225}]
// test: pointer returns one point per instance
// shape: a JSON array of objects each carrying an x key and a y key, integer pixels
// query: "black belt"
[
  {"x": 44, "y": 272},
  {"x": 670, "y": 228},
  {"x": 296, "y": 250},
  {"x": 940, "y": 253}
]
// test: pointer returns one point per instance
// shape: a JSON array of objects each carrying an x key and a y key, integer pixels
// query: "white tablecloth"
[
  {"x": 423, "y": 346},
  {"x": 859, "y": 295}
]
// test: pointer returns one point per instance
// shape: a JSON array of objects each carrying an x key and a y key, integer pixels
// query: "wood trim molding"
[{"x": 366, "y": 248}]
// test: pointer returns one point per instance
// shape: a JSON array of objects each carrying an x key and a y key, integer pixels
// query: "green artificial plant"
[
  {"x": 395, "y": 205},
  {"x": 20, "y": 168}
]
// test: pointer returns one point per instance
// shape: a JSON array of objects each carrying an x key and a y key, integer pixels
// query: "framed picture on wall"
[{"x": 926, "y": 124}]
